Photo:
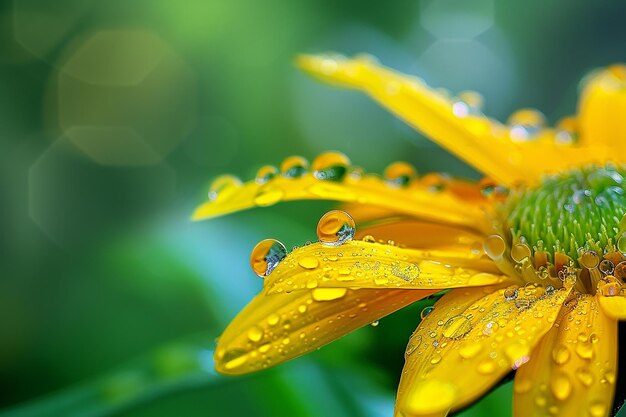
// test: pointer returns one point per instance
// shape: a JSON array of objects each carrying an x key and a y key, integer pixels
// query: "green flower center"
[{"x": 570, "y": 213}]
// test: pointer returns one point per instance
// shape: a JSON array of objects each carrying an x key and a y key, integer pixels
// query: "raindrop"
[
  {"x": 414, "y": 342},
  {"x": 294, "y": 167},
  {"x": 265, "y": 173},
  {"x": 550, "y": 290},
  {"x": 468, "y": 103},
  {"x": 369, "y": 239},
  {"x": 426, "y": 311},
  {"x": 560, "y": 355},
  {"x": 375, "y": 323},
  {"x": 255, "y": 334},
  {"x": 234, "y": 358},
  {"x": 486, "y": 367},
  {"x": 330, "y": 166},
  {"x": 222, "y": 186},
  {"x": 561, "y": 387},
  {"x": 519, "y": 252},
  {"x": 621, "y": 244},
  {"x": 400, "y": 174},
  {"x": 457, "y": 326},
  {"x": 335, "y": 228},
  {"x": 620, "y": 271},
  {"x": 266, "y": 256},
  {"x": 526, "y": 124},
  {"x": 584, "y": 376},
  {"x": 489, "y": 328}
]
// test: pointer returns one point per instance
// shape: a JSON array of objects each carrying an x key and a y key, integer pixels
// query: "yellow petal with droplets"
[
  {"x": 272, "y": 330},
  {"x": 417, "y": 199},
  {"x": 471, "y": 339},
  {"x": 363, "y": 264},
  {"x": 614, "y": 307},
  {"x": 601, "y": 110},
  {"x": 572, "y": 370},
  {"x": 491, "y": 147}
]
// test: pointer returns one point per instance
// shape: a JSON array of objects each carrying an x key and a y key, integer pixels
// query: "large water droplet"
[
  {"x": 456, "y": 327},
  {"x": 266, "y": 256},
  {"x": 606, "y": 267},
  {"x": 519, "y": 252},
  {"x": 585, "y": 350},
  {"x": 294, "y": 167},
  {"x": 330, "y": 166},
  {"x": 560, "y": 355},
  {"x": 426, "y": 311},
  {"x": 494, "y": 246},
  {"x": 526, "y": 124},
  {"x": 328, "y": 294},
  {"x": 589, "y": 259},
  {"x": 223, "y": 186},
  {"x": 255, "y": 334},
  {"x": 400, "y": 174},
  {"x": 561, "y": 387},
  {"x": 335, "y": 228},
  {"x": 308, "y": 262},
  {"x": 265, "y": 173},
  {"x": 414, "y": 342},
  {"x": 584, "y": 376}
]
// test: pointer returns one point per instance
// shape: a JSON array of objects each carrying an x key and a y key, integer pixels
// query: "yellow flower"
[{"x": 533, "y": 254}]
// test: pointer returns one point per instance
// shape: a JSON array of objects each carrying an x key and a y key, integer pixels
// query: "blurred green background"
[{"x": 114, "y": 117}]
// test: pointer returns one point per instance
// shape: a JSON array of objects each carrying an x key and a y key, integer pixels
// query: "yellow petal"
[
  {"x": 417, "y": 199},
  {"x": 274, "y": 329},
  {"x": 614, "y": 307},
  {"x": 364, "y": 264},
  {"x": 484, "y": 143},
  {"x": 472, "y": 338},
  {"x": 572, "y": 371},
  {"x": 601, "y": 110},
  {"x": 424, "y": 235}
]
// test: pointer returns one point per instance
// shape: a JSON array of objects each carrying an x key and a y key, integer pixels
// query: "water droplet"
[
  {"x": 597, "y": 409},
  {"x": 335, "y": 228},
  {"x": 621, "y": 243},
  {"x": 266, "y": 256},
  {"x": 268, "y": 196},
  {"x": 369, "y": 239},
  {"x": 414, "y": 342},
  {"x": 435, "y": 359},
  {"x": 330, "y": 166},
  {"x": 328, "y": 294},
  {"x": 584, "y": 350},
  {"x": 489, "y": 328},
  {"x": 375, "y": 323},
  {"x": 606, "y": 267},
  {"x": 223, "y": 186},
  {"x": 302, "y": 308},
  {"x": 526, "y": 124},
  {"x": 273, "y": 319},
  {"x": 294, "y": 167},
  {"x": 255, "y": 334},
  {"x": 494, "y": 246},
  {"x": 609, "y": 286},
  {"x": 566, "y": 131},
  {"x": 426, "y": 311},
  {"x": 589, "y": 259},
  {"x": 457, "y": 326},
  {"x": 486, "y": 367},
  {"x": 522, "y": 386},
  {"x": 560, "y": 355},
  {"x": 584, "y": 376},
  {"x": 400, "y": 174},
  {"x": 308, "y": 262},
  {"x": 468, "y": 103},
  {"x": 620, "y": 271},
  {"x": 517, "y": 353},
  {"x": 519, "y": 252},
  {"x": 561, "y": 387},
  {"x": 470, "y": 350},
  {"x": 234, "y": 358},
  {"x": 510, "y": 293},
  {"x": 265, "y": 173},
  {"x": 550, "y": 290}
]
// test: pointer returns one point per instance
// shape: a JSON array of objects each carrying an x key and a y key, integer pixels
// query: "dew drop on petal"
[
  {"x": 369, "y": 239},
  {"x": 589, "y": 259},
  {"x": 328, "y": 294},
  {"x": 457, "y": 326},
  {"x": 560, "y": 355},
  {"x": 400, "y": 174},
  {"x": 266, "y": 256},
  {"x": 330, "y": 166},
  {"x": 234, "y": 358},
  {"x": 519, "y": 252},
  {"x": 606, "y": 267},
  {"x": 510, "y": 293},
  {"x": 335, "y": 228},
  {"x": 561, "y": 387},
  {"x": 470, "y": 350},
  {"x": 294, "y": 167},
  {"x": 375, "y": 323},
  {"x": 584, "y": 376},
  {"x": 526, "y": 124},
  {"x": 597, "y": 409},
  {"x": 255, "y": 334},
  {"x": 265, "y": 173},
  {"x": 426, "y": 311},
  {"x": 223, "y": 186},
  {"x": 414, "y": 342},
  {"x": 268, "y": 196},
  {"x": 486, "y": 367},
  {"x": 308, "y": 262},
  {"x": 494, "y": 246}
]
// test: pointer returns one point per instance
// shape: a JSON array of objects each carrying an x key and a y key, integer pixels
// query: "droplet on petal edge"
[
  {"x": 335, "y": 227},
  {"x": 266, "y": 256}
]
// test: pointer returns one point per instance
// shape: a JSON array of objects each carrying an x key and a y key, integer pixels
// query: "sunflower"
[{"x": 532, "y": 256}]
